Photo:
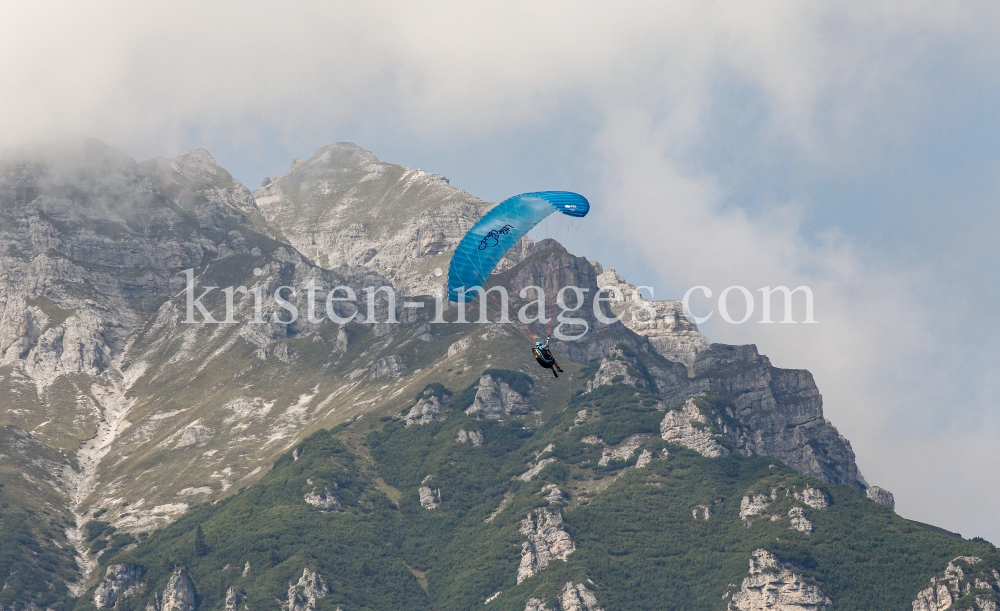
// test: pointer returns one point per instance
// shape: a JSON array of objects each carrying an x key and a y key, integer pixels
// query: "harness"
[{"x": 543, "y": 356}]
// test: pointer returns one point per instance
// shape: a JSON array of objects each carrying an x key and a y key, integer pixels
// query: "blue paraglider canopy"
[{"x": 486, "y": 243}]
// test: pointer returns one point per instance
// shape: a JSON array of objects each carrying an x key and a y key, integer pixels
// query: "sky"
[{"x": 851, "y": 147}]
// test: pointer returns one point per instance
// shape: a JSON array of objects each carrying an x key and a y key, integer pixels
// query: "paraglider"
[
  {"x": 489, "y": 240},
  {"x": 544, "y": 356},
  {"x": 482, "y": 248}
]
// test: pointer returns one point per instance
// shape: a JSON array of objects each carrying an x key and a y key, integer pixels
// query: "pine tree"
[{"x": 200, "y": 547}]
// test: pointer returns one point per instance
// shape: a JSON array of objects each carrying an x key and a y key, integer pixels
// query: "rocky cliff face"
[{"x": 771, "y": 412}]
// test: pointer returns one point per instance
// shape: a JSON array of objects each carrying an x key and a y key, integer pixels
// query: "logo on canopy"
[{"x": 494, "y": 236}]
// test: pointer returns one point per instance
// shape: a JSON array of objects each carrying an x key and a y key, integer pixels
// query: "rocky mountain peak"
[{"x": 343, "y": 206}]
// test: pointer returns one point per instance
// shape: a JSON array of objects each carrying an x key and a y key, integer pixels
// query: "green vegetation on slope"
[{"x": 638, "y": 545}]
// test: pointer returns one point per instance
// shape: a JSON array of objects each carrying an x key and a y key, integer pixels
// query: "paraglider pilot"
[{"x": 544, "y": 356}]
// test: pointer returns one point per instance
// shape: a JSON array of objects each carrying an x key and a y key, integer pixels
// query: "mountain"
[{"x": 170, "y": 440}]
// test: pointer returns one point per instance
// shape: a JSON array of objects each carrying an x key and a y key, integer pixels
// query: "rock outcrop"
[
  {"x": 427, "y": 409},
  {"x": 771, "y": 586},
  {"x": 430, "y": 498},
  {"x": 496, "y": 398},
  {"x": 881, "y": 496},
  {"x": 663, "y": 323},
  {"x": 120, "y": 582},
  {"x": 774, "y": 412},
  {"x": 547, "y": 542},
  {"x": 962, "y": 577},
  {"x": 327, "y": 501},
  {"x": 799, "y": 522},
  {"x": 535, "y": 469},
  {"x": 572, "y": 597},
  {"x": 179, "y": 593},
  {"x": 647, "y": 456},
  {"x": 554, "y": 495},
  {"x": 623, "y": 451},
  {"x": 387, "y": 367},
  {"x": 622, "y": 365},
  {"x": 473, "y": 438},
  {"x": 302, "y": 596},
  {"x": 814, "y": 497},
  {"x": 753, "y": 505},
  {"x": 577, "y": 597},
  {"x": 690, "y": 428}
]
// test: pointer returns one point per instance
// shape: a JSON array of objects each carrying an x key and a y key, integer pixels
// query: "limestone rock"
[
  {"x": 881, "y": 496},
  {"x": 120, "y": 582},
  {"x": 690, "y": 428},
  {"x": 622, "y": 365},
  {"x": 430, "y": 498},
  {"x": 623, "y": 451},
  {"x": 663, "y": 323},
  {"x": 302, "y": 596},
  {"x": 388, "y": 367},
  {"x": 547, "y": 542},
  {"x": 425, "y": 411},
  {"x": 577, "y": 597},
  {"x": 799, "y": 521},
  {"x": 553, "y": 494},
  {"x": 960, "y": 577},
  {"x": 647, "y": 456},
  {"x": 754, "y": 505},
  {"x": 231, "y": 600},
  {"x": 535, "y": 469},
  {"x": 780, "y": 412},
  {"x": 327, "y": 501},
  {"x": 179, "y": 593},
  {"x": 473, "y": 438},
  {"x": 536, "y": 604},
  {"x": 343, "y": 339},
  {"x": 614, "y": 371},
  {"x": 813, "y": 497},
  {"x": 495, "y": 399},
  {"x": 701, "y": 512},
  {"x": 771, "y": 586},
  {"x": 195, "y": 435}
]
